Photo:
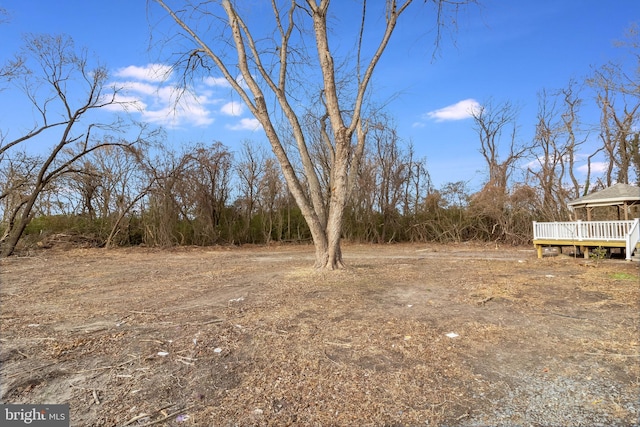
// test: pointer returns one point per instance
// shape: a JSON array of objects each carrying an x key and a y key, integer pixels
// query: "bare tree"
[
  {"x": 250, "y": 169},
  {"x": 17, "y": 172},
  {"x": 51, "y": 72},
  {"x": 555, "y": 147},
  {"x": 205, "y": 188},
  {"x": 271, "y": 199},
  {"x": 418, "y": 183},
  {"x": 123, "y": 181},
  {"x": 264, "y": 74},
  {"x": 501, "y": 155},
  {"x": 491, "y": 122},
  {"x": 162, "y": 210},
  {"x": 392, "y": 171},
  {"x": 619, "y": 114},
  {"x": 617, "y": 91}
]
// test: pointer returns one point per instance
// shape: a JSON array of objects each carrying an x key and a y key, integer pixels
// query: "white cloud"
[
  {"x": 246, "y": 124},
  {"x": 138, "y": 87},
  {"x": 596, "y": 167},
  {"x": 174, "y": 108},
  {"x": 163, "y": 105},
  {"x": 124, "y": 103},
  {"x": 151, "y": 72},
  {"x": 222, "y": 82},
  {"x": 232, "y": 108},
  {"x": 150, "y": 92},
  {"x": 216, "y": 81},
  {"x": 458, "y": 111},
  {"x": 178, "y": 117}
]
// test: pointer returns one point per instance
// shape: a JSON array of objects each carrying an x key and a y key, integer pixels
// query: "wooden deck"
[{"x": 587, "y": 235}]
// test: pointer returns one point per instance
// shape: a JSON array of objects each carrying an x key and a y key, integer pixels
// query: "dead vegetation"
[{"x": 254, "y": 336}]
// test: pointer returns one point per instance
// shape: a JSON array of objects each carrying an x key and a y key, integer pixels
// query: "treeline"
[
  {"x": 206, "y": 194},
  {"x": 116, "y": 182}
]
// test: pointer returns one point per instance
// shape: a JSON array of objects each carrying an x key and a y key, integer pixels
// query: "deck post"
[
  {"x": 539, "y": 250},
  {"x": 585, "y": 251}
]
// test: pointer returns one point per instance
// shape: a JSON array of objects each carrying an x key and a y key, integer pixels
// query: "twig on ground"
[
  {"x": 208, "y": 322},
  {"x": 158, "y": 421},
  {"x": 146, "y": 312},
  {"x": 329, "y": 357},
  {"x": 134, "y": 419},
  {"x": 155, "y": 341},
  {"x": 339, "y": 344},
  {"x": 104, "y": 367},
  {"x": 435, "y": 405},
  {"x": 465, "y": 415},
  {"x": 17, "y": 374},
  {"x": 613, "y": 354},
  {"x": 143, "y": 415},
  {"x": 565, "y": 315},
  {"x": 484, "y": 301},
  {"x": 190, "y": 359}
]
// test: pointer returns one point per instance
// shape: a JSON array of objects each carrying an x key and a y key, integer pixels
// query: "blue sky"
[{"x": 505, "y": 50}]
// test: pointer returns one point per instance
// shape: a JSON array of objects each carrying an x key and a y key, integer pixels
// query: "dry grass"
[{"x": 254, "y": 336}]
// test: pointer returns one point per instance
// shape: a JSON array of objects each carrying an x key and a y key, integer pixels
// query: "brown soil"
[{"x": 255, "y": 336}]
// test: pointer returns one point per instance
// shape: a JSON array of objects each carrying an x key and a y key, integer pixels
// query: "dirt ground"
[{"x": 459, "y": 335}]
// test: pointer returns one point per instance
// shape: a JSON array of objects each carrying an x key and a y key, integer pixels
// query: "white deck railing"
[
  {"x": 577, "y": 231},
  {"x": 633, "y": 239}
]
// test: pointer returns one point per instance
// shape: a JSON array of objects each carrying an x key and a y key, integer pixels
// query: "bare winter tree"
[
  {"x": 17, "y": 172},
  {"x": 556, "y": 144},
  {"x": 270, "y": 64},
  {"x": 271, "y": 199},
  {"x": 250, "y": 169},
  {"x": 619, "y": 116},
  {"x": 205, "y": 189},
  {"x": 501, "y": 153},
  {"x": 51, "y": 72},
  {"x": 491, "y": 123},
  {"x": 392, "y": 173},
  {"x": 617, "y": 90}
]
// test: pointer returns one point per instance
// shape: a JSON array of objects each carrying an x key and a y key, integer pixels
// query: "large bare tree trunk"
[
  {"x": 268, "y": 89},
  {"x": 15, "y": 233}
]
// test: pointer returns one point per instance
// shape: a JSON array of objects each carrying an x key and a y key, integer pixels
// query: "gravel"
[{"x": 560, "y": 401}]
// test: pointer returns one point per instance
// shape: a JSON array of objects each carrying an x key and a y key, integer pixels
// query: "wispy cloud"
[
  {"x": 216, "y": 81},
  {"x": 246, "y": 124},
  {"x": 458, "y": 111},
  {"x": 151, "y": 72},
  {"x": 222, "y": 82},
  {"x": 596, "y": 167},
  {"x": 232, "y": 108}
]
